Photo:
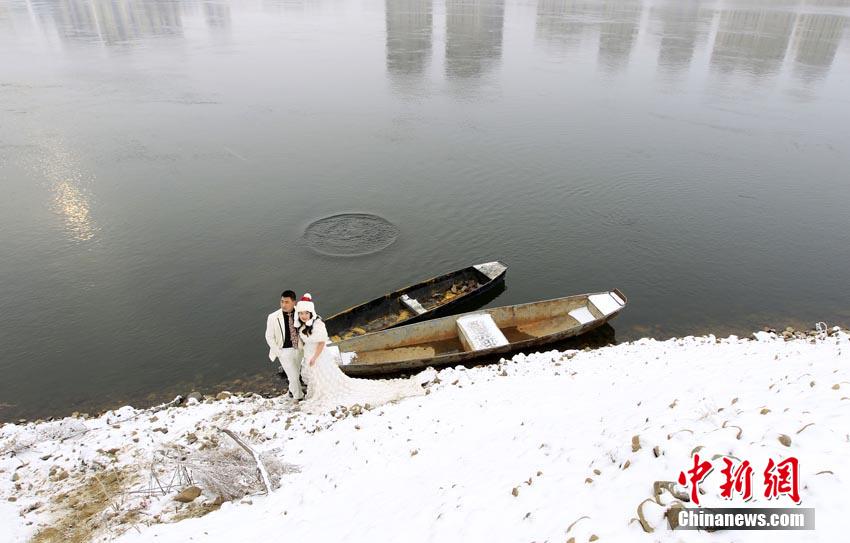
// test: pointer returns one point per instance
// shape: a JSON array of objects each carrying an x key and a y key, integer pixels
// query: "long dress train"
[{"x": 329, "y": 387}]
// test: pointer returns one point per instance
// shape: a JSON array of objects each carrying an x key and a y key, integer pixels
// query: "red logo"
[
  {"x": 740, "y": 480},
  {"x": 695, "y": 476},
  {"x": 781, "y": 478}
]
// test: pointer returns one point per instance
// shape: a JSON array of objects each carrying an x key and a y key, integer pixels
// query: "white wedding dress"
[{"x": 328, "y": 387}]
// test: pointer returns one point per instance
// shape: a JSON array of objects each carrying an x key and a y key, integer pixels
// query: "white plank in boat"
[
  {"x": 582, "y": 315},
  {"x": 413, "y": 304},
  {"x": 479, "y": 331},
  {"x": 606, "y": 303},
  {"x": 491, "y": 269}
]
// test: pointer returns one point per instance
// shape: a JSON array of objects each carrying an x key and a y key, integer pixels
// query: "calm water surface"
[{"x": 160, "y": 161}]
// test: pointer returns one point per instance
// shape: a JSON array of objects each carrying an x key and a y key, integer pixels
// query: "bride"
[{"x": 327, "y": 385}]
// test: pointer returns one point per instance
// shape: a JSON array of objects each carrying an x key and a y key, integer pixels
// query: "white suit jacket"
[{"x": 276, "y": 332}]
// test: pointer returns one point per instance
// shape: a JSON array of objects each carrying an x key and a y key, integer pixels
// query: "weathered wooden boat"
[
  {"x": 479, "y": 334},
  {"x": 416, "y": 303}
]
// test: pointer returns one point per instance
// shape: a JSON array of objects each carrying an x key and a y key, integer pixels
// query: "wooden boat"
[
  {"x": 485, "y": 333},
  {"x": 434, "y": 297}
]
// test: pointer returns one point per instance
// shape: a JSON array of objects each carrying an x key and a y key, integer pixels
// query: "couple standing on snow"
[
  {"x": 284, "y": 341},
  {"x": 297, "y": 337}
]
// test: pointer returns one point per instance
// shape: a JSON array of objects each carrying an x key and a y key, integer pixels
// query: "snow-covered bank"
[{"x": 544, "y": 447}]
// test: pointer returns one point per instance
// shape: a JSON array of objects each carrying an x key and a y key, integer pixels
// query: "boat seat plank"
[
  {"x": 606, "y": 303},
  {"x": 479, "y": 331},
  {"x": 413, "y": 304},
  {"x": 491, "y": 269},
  {"x": 582, "y": 315}
]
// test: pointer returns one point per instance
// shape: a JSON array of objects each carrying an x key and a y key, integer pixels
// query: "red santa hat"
[{"x": 305, "y": 304}]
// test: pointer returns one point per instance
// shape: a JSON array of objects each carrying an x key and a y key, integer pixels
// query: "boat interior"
[
  {"x": 481, "y": 330},
  {"x": 400, "y": 306}
]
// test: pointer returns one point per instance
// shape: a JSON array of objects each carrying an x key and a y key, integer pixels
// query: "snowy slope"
[{"x": 538, "y": 448}]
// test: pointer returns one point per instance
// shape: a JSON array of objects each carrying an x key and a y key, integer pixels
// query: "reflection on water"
[
  {"x": 817, "y": 38},
  {"x": 217, "y": 14},
  {"x": 683, "y": 25},
  {"x": 73, "y": 205},
  {"x": 409, "y": 27},
  {"x": 562, "y": 23},
  {"x": 753, "y": 42},
  {"x": 69, "y": 188},
  {"x": 752, "y": 39},
  {"x": 473, "y": 36},
  {"x": 112, "y": 21},
  {"x": 618, "y": 32}
]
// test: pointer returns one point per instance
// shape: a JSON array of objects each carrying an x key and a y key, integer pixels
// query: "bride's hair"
[{"x": 303, "y": 325}]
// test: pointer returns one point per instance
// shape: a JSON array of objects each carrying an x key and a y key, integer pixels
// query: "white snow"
[{"x": 558, "y": 427}]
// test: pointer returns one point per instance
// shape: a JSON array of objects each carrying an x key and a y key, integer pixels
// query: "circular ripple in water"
[{"x": 350, "y": 234}]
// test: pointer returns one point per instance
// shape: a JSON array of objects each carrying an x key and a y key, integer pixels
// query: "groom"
[{"x": 283, "y": 342}]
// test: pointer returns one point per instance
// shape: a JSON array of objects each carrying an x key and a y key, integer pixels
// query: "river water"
[{"x": 161, "y": 161}]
